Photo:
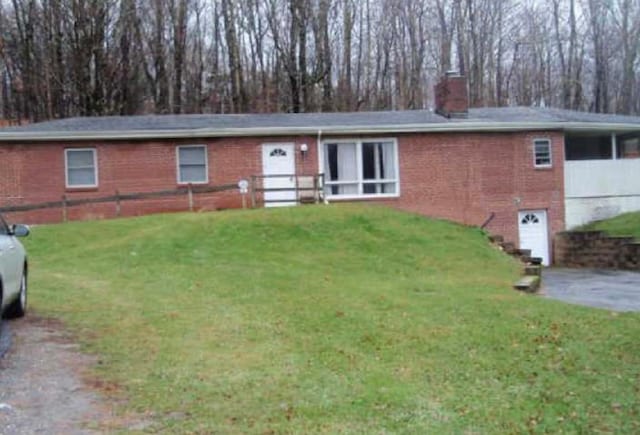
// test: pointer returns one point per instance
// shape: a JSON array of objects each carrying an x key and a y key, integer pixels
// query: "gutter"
[{"x": 450, "y": 127}]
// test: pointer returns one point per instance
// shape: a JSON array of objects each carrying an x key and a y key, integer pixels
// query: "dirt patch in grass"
[{"x": 45, "y": 387}]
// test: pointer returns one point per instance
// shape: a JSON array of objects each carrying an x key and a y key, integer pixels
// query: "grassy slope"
[
  {"x": 627, "y": 224},
  {"x": 325, "y": 319}
]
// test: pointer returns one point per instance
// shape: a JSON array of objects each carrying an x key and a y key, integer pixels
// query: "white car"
[{"x": 13, "y": 270}]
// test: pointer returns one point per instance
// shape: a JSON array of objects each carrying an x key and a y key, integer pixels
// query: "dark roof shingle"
[
  {"x": 236, "y": 121},
  {"x": 208, "y": 125}
]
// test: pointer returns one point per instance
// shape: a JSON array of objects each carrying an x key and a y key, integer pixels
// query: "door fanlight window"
[
  {"x": 278, "y": 152},
  {"x": 530, "y": 219}
]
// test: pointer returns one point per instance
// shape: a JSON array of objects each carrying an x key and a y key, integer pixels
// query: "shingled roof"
[{"x": 178, "y": 126}]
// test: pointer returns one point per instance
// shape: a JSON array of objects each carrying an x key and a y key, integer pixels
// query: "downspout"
[
  {"x": 318, "y": 143},
  {"x": 320, "y": 152}
]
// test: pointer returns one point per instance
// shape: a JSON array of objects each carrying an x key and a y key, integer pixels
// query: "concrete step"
[
  {"x": 496, "y": 239},
  {"x": 523, "y": 252},
  {"x": 529, "y": 284},
  {"x": 508, "y": 247},
  {"x": 533, "y": 270},
  {"x": 537, "y": 261}
]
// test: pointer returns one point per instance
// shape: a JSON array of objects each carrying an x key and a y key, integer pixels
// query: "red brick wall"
[
  {"x": 451, "y": 95},
  {"x": 12, "y": 122},
  {"x": 34, "y": 173},
  {"x": 463, "y": 177}
]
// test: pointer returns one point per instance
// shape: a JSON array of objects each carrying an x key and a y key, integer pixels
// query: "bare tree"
[
  {"x": 178, "y": 10},
  {"x": 626, "y": 18},
  {"x": 63, "y": 58},
  {"x": 238, "y": 94},
  {"x": 599, "y": 17}
]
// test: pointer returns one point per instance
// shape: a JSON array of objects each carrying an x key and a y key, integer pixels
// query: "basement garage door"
[{"x": 532, "y": 227}]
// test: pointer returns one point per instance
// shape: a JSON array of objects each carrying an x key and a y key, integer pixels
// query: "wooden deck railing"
[{"x": 304, "y": 189}]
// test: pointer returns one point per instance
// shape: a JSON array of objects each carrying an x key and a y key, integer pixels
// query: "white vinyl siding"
[
  {"x": 81, "y": 167},
  {"x": 192, "y": 164},
  {"x": 361, "y": 168},
  {"x": 600, "y": 189},
  {"x": 542, "y": 153}
]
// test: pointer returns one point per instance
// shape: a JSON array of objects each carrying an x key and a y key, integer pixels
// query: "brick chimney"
[{"x": 452, "y": 98}]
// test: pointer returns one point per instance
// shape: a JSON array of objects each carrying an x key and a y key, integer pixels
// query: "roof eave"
[{"x": 449, "y": 127}]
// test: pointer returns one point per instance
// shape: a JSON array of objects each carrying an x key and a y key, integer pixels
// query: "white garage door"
[{"x": 532, "y": 226}]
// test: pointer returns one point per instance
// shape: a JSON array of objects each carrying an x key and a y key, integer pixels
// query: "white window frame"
[
  {"x": 206, "y": 164},
  {"x": 66, "y": 168},
  {"x": 360, "y": 181},
  {"x": 549, "y": 143}
]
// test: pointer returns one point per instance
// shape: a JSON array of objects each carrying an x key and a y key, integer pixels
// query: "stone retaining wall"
[{"x": 594, "y": 249}]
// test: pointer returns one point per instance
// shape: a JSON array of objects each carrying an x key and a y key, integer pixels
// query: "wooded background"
[{"x": 61, "y": 58}]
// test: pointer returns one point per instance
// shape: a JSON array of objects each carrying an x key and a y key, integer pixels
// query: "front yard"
[{"x": 330, "y": 319}]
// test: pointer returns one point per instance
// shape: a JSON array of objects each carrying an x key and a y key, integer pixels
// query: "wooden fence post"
[
  {"x": 316, "y": 194},
  {"x": 118, "y": 198},
  {"x": 190, "y": 194},
  {"x": 64, "y": 208},
  {"x": 117, "y": 203},
  {"x": 253, "y": 191}
]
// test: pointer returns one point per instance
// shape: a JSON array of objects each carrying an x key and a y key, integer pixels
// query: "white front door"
[
  {"x": 534, "y": 235},
  {"x": 279, "y": 159}
]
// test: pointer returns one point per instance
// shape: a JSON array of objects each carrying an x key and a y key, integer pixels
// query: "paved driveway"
[
  {"x": 5, "y": 338},
  {"x": 609, "y": 289}
]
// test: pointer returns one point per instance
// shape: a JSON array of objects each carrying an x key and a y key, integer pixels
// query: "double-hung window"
[
  {"x": 192, "y": 164},
  {"x": 364, "y": 168},
  {"x": 81, "y": 167},
  {"x": 542, "y": 153}
]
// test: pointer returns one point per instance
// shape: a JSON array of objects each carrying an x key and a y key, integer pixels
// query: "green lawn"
[
  {"x": 627, "y": 224},
  {"x": 330, "y": 319}
]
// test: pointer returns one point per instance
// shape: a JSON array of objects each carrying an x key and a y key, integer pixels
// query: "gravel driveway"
[
  {"x": 610, "y": 289},
  {"x": 41, "y": 385}
]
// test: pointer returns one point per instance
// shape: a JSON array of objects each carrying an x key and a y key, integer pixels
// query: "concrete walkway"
[{"x": 609, "y": 289}]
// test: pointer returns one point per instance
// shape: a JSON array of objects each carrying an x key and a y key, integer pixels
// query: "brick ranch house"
[{"x": 527, "y": 173}]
